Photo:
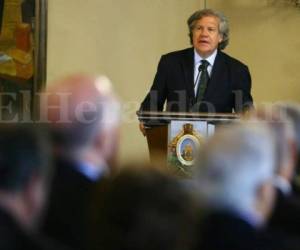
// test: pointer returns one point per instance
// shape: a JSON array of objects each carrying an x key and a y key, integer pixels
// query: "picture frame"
[{"x": 23, "y": 56}]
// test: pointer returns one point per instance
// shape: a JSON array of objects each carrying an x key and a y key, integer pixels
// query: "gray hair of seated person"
[
  {"x": 235, "y": 162},
  {"x": 292, "y": 112},
  {"x": 284, "y": 132},
  {"x": 223, "y": 24}
]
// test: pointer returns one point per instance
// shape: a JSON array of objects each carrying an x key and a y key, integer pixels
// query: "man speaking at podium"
[{"x": 201, "y": 78}]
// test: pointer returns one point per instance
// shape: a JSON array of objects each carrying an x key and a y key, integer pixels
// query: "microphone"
[{"x": 198, "y": 75}]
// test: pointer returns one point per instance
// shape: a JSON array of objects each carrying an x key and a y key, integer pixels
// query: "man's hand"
[{"x": 142, "y": 128}]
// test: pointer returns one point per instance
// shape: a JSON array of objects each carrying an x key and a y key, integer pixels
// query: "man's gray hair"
[
  {"x": 283, "y": 128},
  {"x": 223, "y": 25},
  {"x": 234, "y": 163}
]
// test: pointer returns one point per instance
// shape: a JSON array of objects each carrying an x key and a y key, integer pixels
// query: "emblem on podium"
[{"x": 184, "y": 148}]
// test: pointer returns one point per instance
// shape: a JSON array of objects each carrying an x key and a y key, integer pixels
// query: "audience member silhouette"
[
  {"x": 144, "y": 210},
  {"x": 84, "y": 120},
  {"x": 24, "y": 179},
  {"x": 235, "y": 181},
  {"x": 286, "y": 216}
]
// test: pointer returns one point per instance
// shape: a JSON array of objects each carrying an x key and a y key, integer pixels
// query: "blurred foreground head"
[
  {"x": 144, "y": 210},
  {"x": 84, "y": 118},
  {"x": 282, "y": 125},
  {"x": 236, "y": 170},
  {"x": 24, "y": 171}
]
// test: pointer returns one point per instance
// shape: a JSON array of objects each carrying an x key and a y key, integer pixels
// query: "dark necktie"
[{"x": 204, "y": 77}]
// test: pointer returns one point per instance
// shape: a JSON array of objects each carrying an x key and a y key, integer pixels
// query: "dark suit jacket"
[
  {"x": 69, "y": 201},
  {"x": 228, "y": 88},
  {"x": 13, "y": 237},
  {"x": 226, "y": 231},
  {"x": 286, "y": 214}
]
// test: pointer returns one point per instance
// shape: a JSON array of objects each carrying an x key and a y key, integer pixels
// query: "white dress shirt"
[
  {"x": 93, "y": 173},
  {"x": 197, "y": 63}
]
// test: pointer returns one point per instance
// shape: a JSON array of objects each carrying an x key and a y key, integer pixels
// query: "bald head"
[{"x": 79, "y": 109}]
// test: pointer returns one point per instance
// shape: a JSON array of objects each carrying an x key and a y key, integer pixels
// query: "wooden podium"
[{"x": 156, "y": 125}]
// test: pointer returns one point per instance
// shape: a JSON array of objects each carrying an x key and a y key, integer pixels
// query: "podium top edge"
[{"x": 164, "y": 114}]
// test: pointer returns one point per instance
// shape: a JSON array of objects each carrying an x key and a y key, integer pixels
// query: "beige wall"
[
  {"x": 124, "y": 39},
  {"x": 267, "y": 38}
]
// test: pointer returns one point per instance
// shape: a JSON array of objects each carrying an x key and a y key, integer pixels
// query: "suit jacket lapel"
[
  {"x": 188, "y": 69},
  {"x": 218, "y": 73}
]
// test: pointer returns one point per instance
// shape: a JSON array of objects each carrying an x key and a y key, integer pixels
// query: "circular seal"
[{"x": 186, "y": 149}]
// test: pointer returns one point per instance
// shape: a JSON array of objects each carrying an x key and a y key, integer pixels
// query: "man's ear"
[
  {"x": 34, "y": 197},
  {"x": 220, "y": 38}
]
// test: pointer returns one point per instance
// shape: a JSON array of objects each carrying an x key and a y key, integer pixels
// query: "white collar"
[
  {"x": 91, "y": 172},
  {"x": 210, "y": 59}
]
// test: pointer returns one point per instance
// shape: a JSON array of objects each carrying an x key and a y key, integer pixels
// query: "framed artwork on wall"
[{"x": 23, "y": 36}]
